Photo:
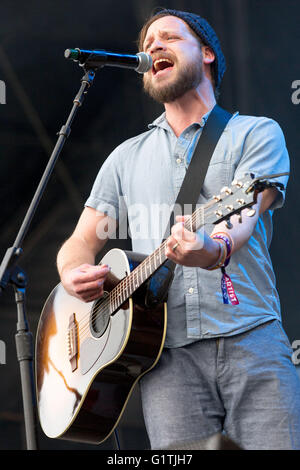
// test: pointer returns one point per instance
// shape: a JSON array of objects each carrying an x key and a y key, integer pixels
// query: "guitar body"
[{"x": 86, "y": 364}]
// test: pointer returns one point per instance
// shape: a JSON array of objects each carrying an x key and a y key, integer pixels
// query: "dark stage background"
[{"x": 261, "y": 42}]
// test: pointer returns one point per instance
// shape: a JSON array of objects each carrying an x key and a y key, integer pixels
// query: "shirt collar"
[{"x": 162, "y": 122}]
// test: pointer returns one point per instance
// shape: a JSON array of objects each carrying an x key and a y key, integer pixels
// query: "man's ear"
[{"x": 208, "y": 55}]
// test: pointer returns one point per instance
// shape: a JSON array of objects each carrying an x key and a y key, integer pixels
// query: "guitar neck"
[
  {"x": 137, "y": 277},
  {"x": 152, "y": 263}
]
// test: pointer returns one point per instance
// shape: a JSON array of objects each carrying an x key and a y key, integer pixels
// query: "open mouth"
[{"x": 162, "y": 65}]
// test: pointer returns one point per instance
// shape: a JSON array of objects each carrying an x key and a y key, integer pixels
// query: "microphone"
[{"x": 140, "y": 62}]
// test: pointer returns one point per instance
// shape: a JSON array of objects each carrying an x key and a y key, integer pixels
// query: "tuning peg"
[
  {"x": 226, "y": 190},
  {"x": 228, "y": 224},
  {"x": 251, "y": 213},
  {"x": 241, "y": 202},
  {"x": 238, "y": 184}
]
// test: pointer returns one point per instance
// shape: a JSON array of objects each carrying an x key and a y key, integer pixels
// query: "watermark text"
[
  {"x": 296, "y": 353},
  {"x": 2, "y": 92},
  {"x": 2, "y": 353},
  {"x": 296, "y": 93},
  {"x": 149, "y": 222}
]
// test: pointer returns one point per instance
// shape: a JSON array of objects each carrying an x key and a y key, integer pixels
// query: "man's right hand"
[{"x": 86, "y": 281}]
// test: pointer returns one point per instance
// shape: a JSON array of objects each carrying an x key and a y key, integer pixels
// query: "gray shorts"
[{"x": 244, "y": 385}]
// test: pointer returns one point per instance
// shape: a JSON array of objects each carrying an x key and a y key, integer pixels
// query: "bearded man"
[{"x": 224, "y": 367}]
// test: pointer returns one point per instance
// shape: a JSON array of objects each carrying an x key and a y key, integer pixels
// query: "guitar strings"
[
  {"x": 113, "y": 300},
  {"x": 117, "y": 291},
  {"x": 114, "y": 295}
]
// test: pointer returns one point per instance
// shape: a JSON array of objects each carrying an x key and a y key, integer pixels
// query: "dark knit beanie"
[{"x": 207, "y": 35}]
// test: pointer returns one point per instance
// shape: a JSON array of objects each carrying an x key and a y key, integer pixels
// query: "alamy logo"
[
  {"x": 2, "y": 92},
  {"x": 296, "y": 94},
  {"x": 296, "y": 353},
  {"x": 2, "y": 352}
]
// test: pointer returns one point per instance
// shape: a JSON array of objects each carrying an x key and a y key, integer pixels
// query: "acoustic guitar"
[{"x": 89, "y": 356}]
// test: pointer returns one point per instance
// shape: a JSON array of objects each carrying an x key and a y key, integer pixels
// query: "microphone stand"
[{"x": 12, "y": 274}]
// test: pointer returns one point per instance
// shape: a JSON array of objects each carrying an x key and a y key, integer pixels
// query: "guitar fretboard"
[{"x": 149, "y": 265}]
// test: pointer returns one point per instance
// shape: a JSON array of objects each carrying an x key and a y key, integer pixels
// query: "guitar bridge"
[{"x": 72, "y": 340}]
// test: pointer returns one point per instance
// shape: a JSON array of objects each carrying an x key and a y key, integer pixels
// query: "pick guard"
[{"x": 91, "y": 350}]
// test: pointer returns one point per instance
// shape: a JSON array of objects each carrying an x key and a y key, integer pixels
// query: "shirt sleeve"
[
  {"x": 106, "y": 195},
  {"x": 265, "y": 153}
]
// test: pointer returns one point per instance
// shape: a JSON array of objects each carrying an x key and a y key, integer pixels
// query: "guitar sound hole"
[{"x": 100, "y": 316}]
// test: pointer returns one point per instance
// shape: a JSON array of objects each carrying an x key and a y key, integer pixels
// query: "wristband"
[{"x": 227, "y": 288}]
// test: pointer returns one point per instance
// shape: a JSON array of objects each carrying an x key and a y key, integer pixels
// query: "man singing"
[{"x": 224, "y": 367}]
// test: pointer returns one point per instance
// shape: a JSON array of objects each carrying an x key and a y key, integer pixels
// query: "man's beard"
[{"x": 188, "y": 78}]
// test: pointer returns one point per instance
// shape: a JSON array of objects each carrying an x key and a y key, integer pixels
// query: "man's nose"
[{"x": 157, "y": 45}]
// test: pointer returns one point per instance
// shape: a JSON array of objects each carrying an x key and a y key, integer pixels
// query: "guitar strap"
[{"x": 197, "y": 169}]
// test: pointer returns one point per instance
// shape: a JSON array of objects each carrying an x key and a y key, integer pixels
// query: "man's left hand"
[{"x": 189, "y": 248}]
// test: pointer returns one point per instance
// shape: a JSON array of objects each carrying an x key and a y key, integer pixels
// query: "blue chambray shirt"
[{"x": 144, "y": 174}]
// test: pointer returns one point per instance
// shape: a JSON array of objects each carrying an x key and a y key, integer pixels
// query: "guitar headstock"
[{"x": 242, "y": 194}]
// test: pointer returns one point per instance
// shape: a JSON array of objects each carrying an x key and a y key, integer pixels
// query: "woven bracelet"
[
  {"x": 228, "y": 242},
  {"x": 222, "y": 257}
]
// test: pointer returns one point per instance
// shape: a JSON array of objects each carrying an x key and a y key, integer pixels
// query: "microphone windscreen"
[{"x": 145, "y": 62}]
